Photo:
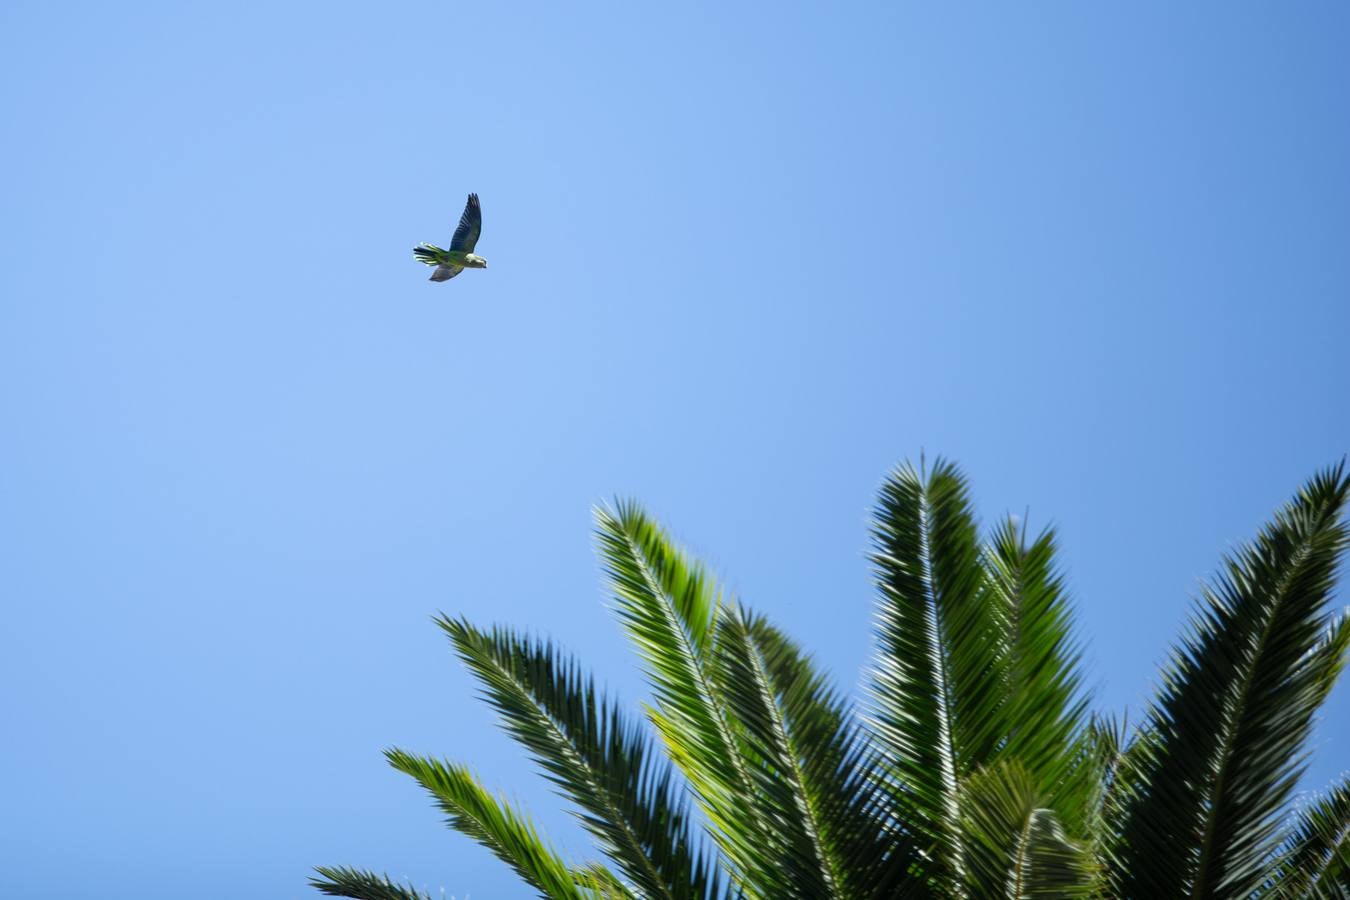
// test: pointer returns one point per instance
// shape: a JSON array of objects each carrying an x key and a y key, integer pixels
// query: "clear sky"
[{"x": 744, "y": 258}]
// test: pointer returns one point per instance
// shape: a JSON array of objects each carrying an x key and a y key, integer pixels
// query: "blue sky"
[{"x": 743, "y": 260}]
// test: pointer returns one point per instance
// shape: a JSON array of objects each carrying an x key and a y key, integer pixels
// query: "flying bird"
[{"x": 460, "y": 256}]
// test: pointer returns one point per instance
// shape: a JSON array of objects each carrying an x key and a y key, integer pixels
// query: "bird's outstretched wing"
[
  {"x": 470, "y": 224},
  {"x": 445, "y": 273}
]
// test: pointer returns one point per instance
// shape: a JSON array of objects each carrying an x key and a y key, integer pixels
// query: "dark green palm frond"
[
  {"x": 493, "y": 823},
  {"x": 1016, "y": 846},
  {"x": 1329, "y": 657},
  {"x": 936, "y": 684},
  {"x": 1044, "y": 714},
  {"x": 341, "y": 881},
  {"x": 803, "y": 849},
  {"x": 1315, "y": 858},
  {"x": 641, "y": 560},
  {"x": 1122, "y": 760},
  {"x": 1103, "y": 750},
  {"x": 667, "y": 606},
  {"x": 626, "y": 793},
  {"x": 874, "y": 856},
  {"x": 1235, "y": 710}
]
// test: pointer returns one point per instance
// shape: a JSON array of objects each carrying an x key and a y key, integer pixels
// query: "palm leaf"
[
  {"x": 803, "y": 852},
  {"x": 603, "y": 883},
  {"x": 1328, "y": 658},
  {"x": 668, "y": 606},
  {"x": 873, "y": 855},
  {"x": 1040, "y": 722},
  {"x": 1017, "y": 847},
  {"x": 1315, "y": 859},
  {"x": 341, "y": 881},
  {"x": 1318, "y": 859},
  {"x": 1235, "y": 710},
  {"x": 493, "y": 823},
  {"x": 604, "y": 763},
  {"x": 936, "y": 686}
]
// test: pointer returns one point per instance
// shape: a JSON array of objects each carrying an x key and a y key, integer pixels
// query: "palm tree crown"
[{"x": 973, "y": 766}]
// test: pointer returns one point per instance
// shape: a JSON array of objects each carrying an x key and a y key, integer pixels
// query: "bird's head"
[{"x": 474, "y": 261}]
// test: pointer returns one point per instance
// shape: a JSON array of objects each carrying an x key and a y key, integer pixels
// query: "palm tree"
[{"x": 972, "y": 768}]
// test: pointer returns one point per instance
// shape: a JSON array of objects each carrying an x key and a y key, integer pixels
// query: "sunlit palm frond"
[
  {"x": 602, "y": 883},
  {"x": 1041, "y": 721},
  {"x": 1329, "y": 656},
  {"x": 668, "y": 607},
  {"x": 493, "y": 823},
  {"x": 644, "y": 565},
  {"x": 874, "y": 855},
  {"x": 1016, "y": 846},
  {"x": 937, "y": 677},
  {"x": 808, "y": 859},
  {"x": 341, "y": 881},
  {"x": 603, "y": 762}
]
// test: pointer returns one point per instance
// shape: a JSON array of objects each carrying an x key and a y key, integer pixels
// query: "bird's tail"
[{"x": 428, "y": 253}]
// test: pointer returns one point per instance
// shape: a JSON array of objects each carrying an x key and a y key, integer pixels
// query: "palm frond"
[
  {"x": 493, "y": 823},
  {"x": 1235, "y": 709},
  {"x": 668, "y": 606},
  {"x": 1122, "y": 760},
  {"x": 1016, "y": 846},
  {"x": 602, "y": 883},
  {"x": 1329, "y": 657},
  {"x": 341, "y": 881},
  {"x": 1040, "y": 722},
  {"x": 641, "y": 560},
  {"x": 937, "y": 676},
  {"x": 976, "y": 771},
  {"x": 627, "y": 795},
  {"x": 874, "y": 855},
  {"x": 1315, "y": 859},
  {"x": 808, "y": 860}
]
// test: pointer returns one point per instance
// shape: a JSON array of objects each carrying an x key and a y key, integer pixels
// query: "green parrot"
[{"x": 460, "y": 256}]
